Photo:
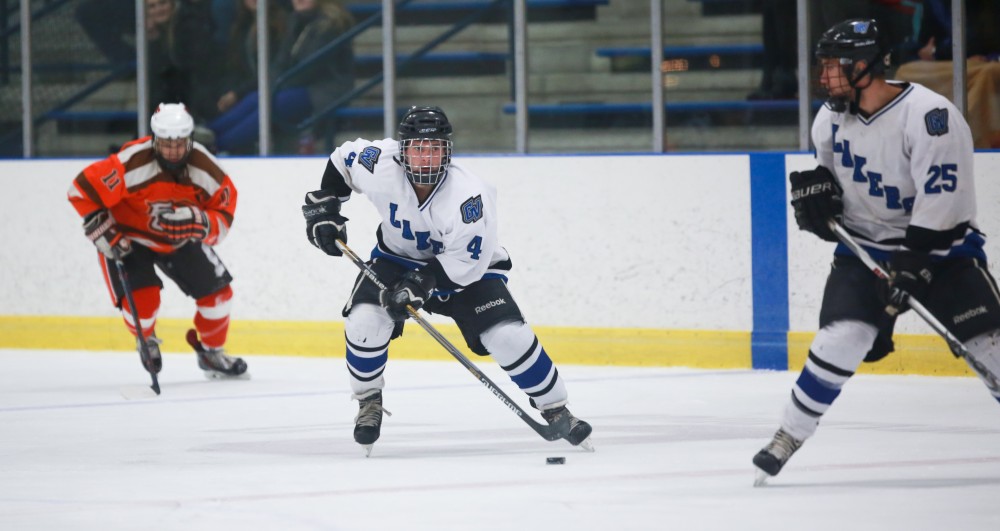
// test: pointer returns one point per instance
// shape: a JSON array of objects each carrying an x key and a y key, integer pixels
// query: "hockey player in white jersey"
[
  {"x": 895, "y": 169},
  {"x": 437, "y": 249}
]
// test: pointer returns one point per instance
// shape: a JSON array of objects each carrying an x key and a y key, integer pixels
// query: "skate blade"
[
  {"x": 216, "y": 375},
  {"x": 587, "y": 445},
  {"x": 368, "y": 449},
  {"x": 137, "y": 392},
  {"x": 761, "y": 478}
]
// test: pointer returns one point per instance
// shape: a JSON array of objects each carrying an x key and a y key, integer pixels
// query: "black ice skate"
[
  {"x": 215, "y": 362},
  {"x": 150, "y": 356},
  {"x": 368, "y": 423},
  {"x": 774, "y": 456},
  {"x": 579, "y": 430}
]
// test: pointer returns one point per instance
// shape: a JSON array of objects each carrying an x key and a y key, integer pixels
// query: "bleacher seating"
[
  {"x": 358, "y": 116},
  {"x": 420, "y": 12},
  {"x": 598, "y": 114},
  {"x": 588, "y": 67},
  {"x": 438, "y": 64},
  {"x": 700, "y": 57}
]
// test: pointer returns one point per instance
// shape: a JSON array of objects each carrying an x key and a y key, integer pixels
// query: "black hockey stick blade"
[{"x": 550, "y": 432}]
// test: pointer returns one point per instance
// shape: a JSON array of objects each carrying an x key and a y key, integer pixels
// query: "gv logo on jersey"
[
  {"x": 936, "y": 122},
  {"x": 893, "y": 197},
  {"x": 423, "y": 239},
  {"x": 368, "y": 158},
  {"x": 472, "y": 209}
]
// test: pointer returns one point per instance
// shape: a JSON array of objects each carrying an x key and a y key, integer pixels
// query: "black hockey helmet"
[
  {"x": 851, "y": 41},
  {"x": 419, "y": 125}
]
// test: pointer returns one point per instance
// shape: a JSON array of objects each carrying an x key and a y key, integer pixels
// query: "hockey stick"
[
  {"x": 956, "y": 346},
  {"x": 143, "y": 348},
  {"x": 551, "y": 432}
]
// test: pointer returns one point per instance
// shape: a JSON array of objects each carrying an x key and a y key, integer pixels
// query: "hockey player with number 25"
[
  {"x": 163, "y": 200},
  {"x": 438, "y": 250},
  {"x": 895, "y": 170}
]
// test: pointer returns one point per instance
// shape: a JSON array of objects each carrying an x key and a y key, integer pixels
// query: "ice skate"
[
  {"x": 214, "y": 361},
  {"x": 152, "y": 361},
  {"x": 579, "y": 430},
  {"x": 773, "y": 457},
  {"x": 368, "y": 423}
]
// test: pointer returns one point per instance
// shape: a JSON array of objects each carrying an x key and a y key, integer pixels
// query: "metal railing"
[{"x": 518, "y": 72}]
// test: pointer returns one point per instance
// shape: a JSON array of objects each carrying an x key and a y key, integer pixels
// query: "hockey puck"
[{"x": 555, "y": 460}]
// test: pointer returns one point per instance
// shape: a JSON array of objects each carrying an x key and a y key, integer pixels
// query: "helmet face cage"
[
  {"x": 171, "y": 121},
  {"x": 425, "y": 144},
  {"x": 425, "y": 160},
  {"x": 849, "y": 42}
]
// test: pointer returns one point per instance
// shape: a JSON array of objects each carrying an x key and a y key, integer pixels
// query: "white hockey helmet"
[{"x": 171, "y": 120}]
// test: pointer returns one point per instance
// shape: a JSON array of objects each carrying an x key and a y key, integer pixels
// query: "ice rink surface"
[{"x": 673, "y": 451}]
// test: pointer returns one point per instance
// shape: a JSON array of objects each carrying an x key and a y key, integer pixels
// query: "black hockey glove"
[
  {"x": 911, "y": 277},
  {"x": 183, "y": 223},
  {"x": 816, "y": 198},
  {"x": 102, "y": 230},
  {"x": 324, "y": 224},
  {"x": 412, "y": 289}
]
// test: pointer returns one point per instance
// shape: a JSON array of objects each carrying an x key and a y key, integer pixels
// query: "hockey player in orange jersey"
[{"x": 163, "y": 200}]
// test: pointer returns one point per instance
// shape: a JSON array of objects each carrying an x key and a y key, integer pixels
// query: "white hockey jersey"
[
  {"x": 908, "y": 164},
  {"x": 456, "y": 224}
]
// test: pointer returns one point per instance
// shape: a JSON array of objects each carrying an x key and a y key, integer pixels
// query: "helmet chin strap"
[{"x": 844, "y": 103}]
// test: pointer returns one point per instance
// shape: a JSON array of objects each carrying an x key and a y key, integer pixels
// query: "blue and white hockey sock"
[
  {"x": 367, "y": 330},
  {"x": 516, "y": 348},
  {"x": 834, "y": 355}
]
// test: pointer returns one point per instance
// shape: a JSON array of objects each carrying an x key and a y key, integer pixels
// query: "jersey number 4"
[{"x": 475, "y": 247}]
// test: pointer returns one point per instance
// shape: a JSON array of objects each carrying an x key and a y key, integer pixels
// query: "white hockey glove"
[{"x": 102, "y": 230}]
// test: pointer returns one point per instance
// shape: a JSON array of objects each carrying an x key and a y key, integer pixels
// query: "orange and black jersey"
[{"x": 134, "y": 188}]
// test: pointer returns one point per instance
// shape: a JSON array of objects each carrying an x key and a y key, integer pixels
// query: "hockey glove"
[
  {"x": 816, "y": 198},
  {"x": 911, "y": 277},
  {"x": 324, "y": 224},
  {"x": 183, "y": 223},
  {"x": 102, "y": 230},
  {"x": 412, "y": 289}
]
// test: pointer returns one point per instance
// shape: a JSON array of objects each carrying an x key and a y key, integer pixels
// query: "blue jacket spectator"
[{"x": 312, "y": 25}]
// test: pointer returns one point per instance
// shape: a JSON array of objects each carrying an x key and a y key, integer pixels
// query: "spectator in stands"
[
  {"x": 931, "y": 62},
  {"x": 982, "y": 39},
  {"x": 241, "y": 55},
  {"x": 224, "y": 14},
  {"x": 780, "y": 38},
  {"x": 182, "y": 59},
  {"x": 297, "y": 95}
]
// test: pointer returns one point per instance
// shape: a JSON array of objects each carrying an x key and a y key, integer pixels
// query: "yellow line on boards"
[
  {"x": 586, "y": 346},
  {"x": 924, "y": 354},
  {"x": 706, "y": 349}
]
